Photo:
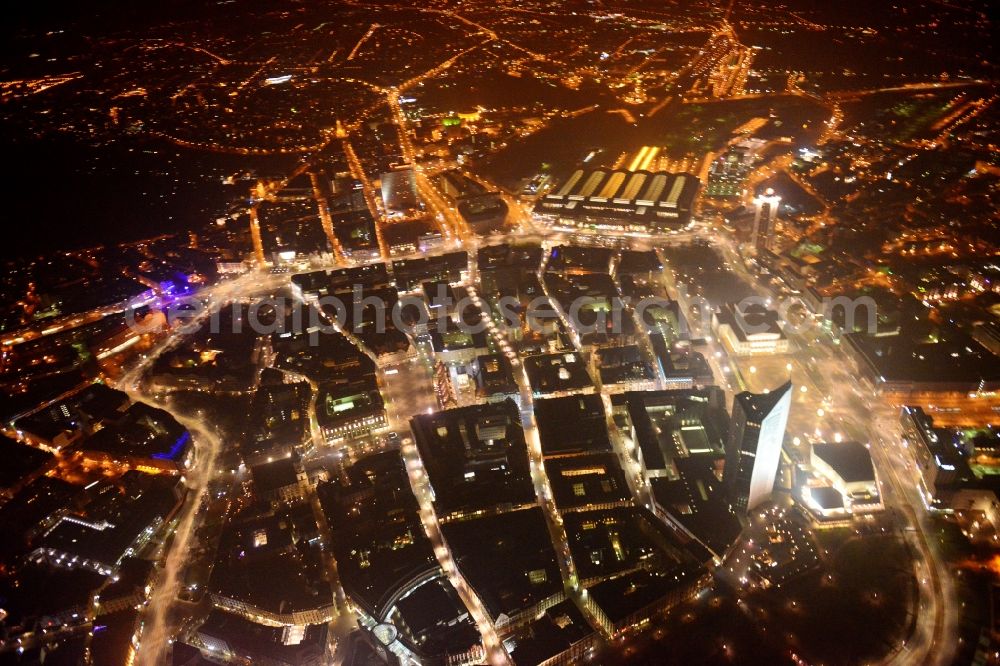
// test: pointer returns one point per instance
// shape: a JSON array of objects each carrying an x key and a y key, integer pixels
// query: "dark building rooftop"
[
  {"x": 261, "y": 644},
  {"x": 144, "y": 432},
  {"x": 579, "y": 259},
  {"x": 261, "y": 561},
  {"x": 378, "y": 539},
  {"x": 695, "y": 498},
  {"x": 609, "y": 541},
  {"x": 456, "y": 338},
  {"x": 555, "y": 373},
  {"x": 620, "y": 597},
  {"x": 476, "y": 457},
  {"x": 677, "y": 423},
  {"x": 111, "y": 522},
  {"x": 851, "y": 460},
  {"x": 508, "y": 559},
  {"x": 681, "y": 365},
  {"x": 952, "y": 360},
  {"x": 559, "y": 628},
  {"x": 408, "y": 233},
  {"x": 19, "y": 461},
  {"x": 82, "y": 410},
  {"x": 827, "y": 497},
  {"x": 322, "y": 283},
  {"x": 433, "y": 619},
  {"x": 494, "y": 376},
  {"x": 636, "y": 262},
  {"x": 277, "y": 418},
  {"x": 30, "y": 512},
  {"x": 572, "y": 425},
  {"x": 621, "y": 365},
  {"x": 269, "y": 477},
  {"x": 45, "y": 595},
  {"x": 509, "y": 256},
  {"x": 112, "y": 637},
  {"x": 588, "y": 480},
  {"x": 187, "y": 655},
  {"x": 448, "y": 267}
]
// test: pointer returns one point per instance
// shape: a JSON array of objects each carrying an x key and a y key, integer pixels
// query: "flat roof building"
[
  {"x": 351, "y": 410},
  {"x": 114, "y": 524},
  {"x": 267, "y": 571},
  {"x": 482, "y": 210},
  {"x": 495, "y": 378},
  {"x": 509, "y": 561},
  {"x": 476, "y": 459},
  {"x": 631, "y": 599},
  {"x": 749, "y": 330},
  {"x": 572, "y": 425},
  {"x": 240, "y": 639},
  {"x": 849, "y": 466},
  {"x": 558, "y": 374},
  {"x": 940, "y": 461},
  {"x": 561, "y": 635},
  {"x": 667, "y": 425},
  {"x": 608, "y": 542},
  {"x": 399, "y": 191},
  {"x": 145, "y": 438},
  {"x": 951, "y": 377},
  {"x": 588, "y": 481},
  {"x": 450, "y": 267}
]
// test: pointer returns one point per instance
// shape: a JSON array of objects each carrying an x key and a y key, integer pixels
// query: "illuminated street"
[{"x": 527, "y": 334}]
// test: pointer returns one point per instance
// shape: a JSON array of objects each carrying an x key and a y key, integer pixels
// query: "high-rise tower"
[
  {"x": 754, "y": 447},
  {"x": 765, "y": 211}
]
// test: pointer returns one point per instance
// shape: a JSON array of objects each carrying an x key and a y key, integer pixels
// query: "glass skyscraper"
[{"x": 754, "y": 446}]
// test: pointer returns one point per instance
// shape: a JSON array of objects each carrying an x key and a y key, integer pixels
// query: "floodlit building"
[
  {"x": 841, "y": 481},
  {"x": 753, "y": 451},
  {"x": 621, "y": 201},
  {"x": 765, "y": 212},
  {"x": 399, "y": 191},
  {"x": 346, "y": 412},
  {"x": 749, "y": 330},
  {"x": 848, "y": 465}
]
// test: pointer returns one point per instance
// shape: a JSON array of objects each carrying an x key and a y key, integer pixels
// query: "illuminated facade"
[
  {"x": 765, "y": 212},
  {"x": 754, "y": 448},
  {"x": 621, "y": 200}
]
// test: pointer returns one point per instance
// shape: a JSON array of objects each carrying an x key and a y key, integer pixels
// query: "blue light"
[{"x": 175, "y": 449}]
